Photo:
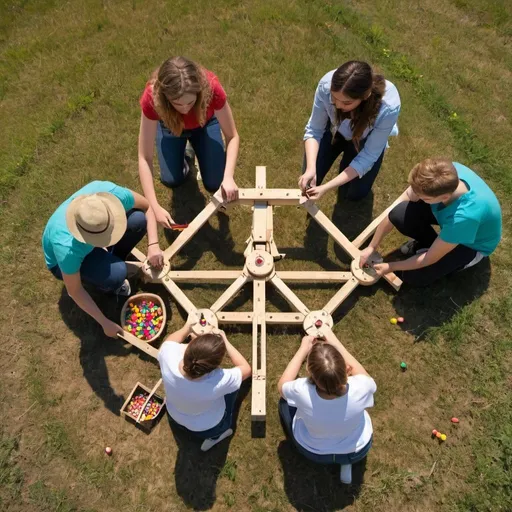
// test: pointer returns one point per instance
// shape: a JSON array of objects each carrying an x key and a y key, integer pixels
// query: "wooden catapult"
[{"x": 259, "y": 268}]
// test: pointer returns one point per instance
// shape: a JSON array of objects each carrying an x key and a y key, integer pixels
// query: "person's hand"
[
  {"x": 308, "y": 179},
  {"x": 315, "y": 193},
  {"x": 155, "y": 257},
  {"x": 381, "y": 269},
  {"x": 229, "y": 189},
  {"x": 111, "y": 329},
  {"x": 365, "y": 256},
  {"x": 307, "y": 342},
  {"x": 349, "y": 370},
  {"x": 163, "y": 217}
]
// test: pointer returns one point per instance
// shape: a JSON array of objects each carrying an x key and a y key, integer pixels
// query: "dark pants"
[
  {"x": 415, "y": 220},
  {"x": 208, "y": 146},
  {"x": 287, "y": 414},
  {"x": 328, "y": 151},
  {"x": 107, "y": 270},
  {"x": 225, "y": 423}
]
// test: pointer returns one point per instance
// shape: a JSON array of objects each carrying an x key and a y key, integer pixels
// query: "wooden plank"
[
  {"x": 261, "y": 176},
  {"x": 230, "y": 292},
  {"x": 198, "y": 275},
  {"x": 393, "y": 280},
  {"x": 370, "y": 229},
  {"x": 138, "y": 254},
  {"x": 284, "y": 318},
  {"x": 289, "y": 295},
  {"x": 314, "y": 276},
  {"x": 259, "y": 223},
  {"x": 178, "y": 295},
  {"x": 275, "y": 196},
  {"x": 259, "y": 353},
  {"x": 142, "y": 345},
  {"x": 328, "y": 226},
  {"x": 235, "y": 317},
  {"x": 341, "y": 295},
  {"x": 192, "y": 229}
]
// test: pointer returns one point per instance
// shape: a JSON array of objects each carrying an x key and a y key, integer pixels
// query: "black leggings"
[{"x": 415, "y": 220}]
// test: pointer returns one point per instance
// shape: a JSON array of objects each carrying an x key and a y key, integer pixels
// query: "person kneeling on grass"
[
  {"x": 201, "y": 395},
  {"x": 90, "y": 235},
  {"x": 325, "y": 415},
  {"x": 455, "y": 198}
]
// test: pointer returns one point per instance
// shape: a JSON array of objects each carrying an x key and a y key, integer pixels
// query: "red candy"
[{"x": 144, "y": 320}]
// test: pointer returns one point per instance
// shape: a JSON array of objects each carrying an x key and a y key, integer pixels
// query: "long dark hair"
[
  {"x": 327, "y": 369},
  {"x": 203, "y": 355},
  {"x": 356, "y": 79}
]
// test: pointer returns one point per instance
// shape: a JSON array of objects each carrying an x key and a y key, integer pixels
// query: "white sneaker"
[
  {"x": 346, "y": 474},
  {"x": 477, "y": 259},
  {"x": 125, "y": 289},
  {"x": 209, "y": 443},
  {"x": 410, "y": 248}
]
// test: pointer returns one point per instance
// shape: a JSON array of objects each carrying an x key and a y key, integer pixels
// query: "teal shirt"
[
  {"x": 474, "y": 219},
  {"x": 59, "y": 246}
]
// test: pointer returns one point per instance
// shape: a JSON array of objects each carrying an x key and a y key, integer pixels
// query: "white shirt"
[
  {"x": 196, "y": 404},
  {"x": 335, "y": 426}
]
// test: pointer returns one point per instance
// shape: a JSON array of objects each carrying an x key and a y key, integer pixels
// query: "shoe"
[
  {"x": 209, "y": 443},
  {"x": 412, "y": 247},
  {"x": 190, "y": 158},
  {"x": 477, "y": 259},
  {"x": 125, "y": 289},
  {"x": 346, "y": 474}
]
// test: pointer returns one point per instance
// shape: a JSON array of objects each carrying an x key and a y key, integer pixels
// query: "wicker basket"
[{"x": 138, "y": 299}]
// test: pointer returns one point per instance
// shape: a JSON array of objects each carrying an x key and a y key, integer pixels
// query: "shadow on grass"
[
  {"x": 425, "y": 309},
  {"x": 196, "y": 472},
  {"x": 95, "y": 347},
  {"x": 310, "y": 486},
  {"x": 187, "y": 202}
]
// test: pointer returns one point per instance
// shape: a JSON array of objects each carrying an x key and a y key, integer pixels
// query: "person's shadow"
[
  {"x": 187, "y": 202},
  {"x": 196, "y": 472},
  {"x": 425, "y": 309},
  {"x": 310, "y": 486},
  {"x": 95, "y": 347}
]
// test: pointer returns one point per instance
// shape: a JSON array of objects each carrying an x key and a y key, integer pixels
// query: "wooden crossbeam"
[
  {"x": 274, "y": 196},
  {"x": 341, "y": 295},
  {"x": 136, "y": 253},
  {"x": 259, "y": 353},
  {"x": 314, "y": 276},
  {"x": 179, "y": 295},
  {"x": 230, "y": 292},
  {"x": 141, "y": 345},
  {"x": 199, "y": 275},
  {"x": 289, "y": 295}
]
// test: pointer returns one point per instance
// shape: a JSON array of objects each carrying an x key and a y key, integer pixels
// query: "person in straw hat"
[{"x": 88, "y": 238}]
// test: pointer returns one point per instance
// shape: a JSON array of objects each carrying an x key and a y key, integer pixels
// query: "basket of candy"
[
  {"x": 144, "y": 316},
  {"x": 143, "y": 406}
]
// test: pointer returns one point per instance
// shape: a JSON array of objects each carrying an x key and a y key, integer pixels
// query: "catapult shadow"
[
  {"x": 445, "y": 298},
  {"x": 196, "y": 472},
  {"x": 310, "y": 486},
  {"x": 185, "y": 206},
  {"x": 95, "y": 347}
]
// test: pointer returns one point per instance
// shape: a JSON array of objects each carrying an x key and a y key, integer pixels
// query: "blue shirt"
[
  {"x": 59, "y": 245},
  {"x": 377, "y": 136},
  {"x": 474, "y": 218}
]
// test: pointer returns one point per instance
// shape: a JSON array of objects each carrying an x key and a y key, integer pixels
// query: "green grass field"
[{"x": 70, "y": 77}]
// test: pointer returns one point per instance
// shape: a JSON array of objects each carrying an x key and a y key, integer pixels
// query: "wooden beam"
[
  {"x": 289, "y": 295},
  {"x": 235, "y": 317},
  {"x": 284, "y": 318},
  {"x": 261, "y": 176},
  {"x": 331, "y": 229},
  {"x": 198, "y": 275},
  {"x": 259, "y": 353},
  {"x": 230, "y": 292},
  {"x": 178, "y": 295},
  {"x": 192, "y": 229},
  {"x": 140, "y": 344},
  {"x": 393, "y": 280},
  {"x": 370, "y": 229},
  {"x": 341, "y": 295},
  {"x": 138, "y": 254},
  {"x": 314, "y": 276},
  {"x": 275, "y": 196},
  {"x": 259, "y": 223}
]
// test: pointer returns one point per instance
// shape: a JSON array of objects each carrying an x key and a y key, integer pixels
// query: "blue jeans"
[
  {"x": 107, "y": 270},
  {"x": 225, "y": 423},
  {"x": 208, "y": 146},
  {"x": 287, "y": 414},
  {"x": 328, "y": 151}
]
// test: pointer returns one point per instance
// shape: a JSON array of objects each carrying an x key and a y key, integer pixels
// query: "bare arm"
[
  {"x": 356, "y": 367},
  {"x": 147, "y": 136},
  {"x": 228, "y": 127},
  {"x": 236, "y": 357},
  {"x": 293, "y": 368},
  {"x": 84, "y": 301},
  {"x": 180, "y": 335}
]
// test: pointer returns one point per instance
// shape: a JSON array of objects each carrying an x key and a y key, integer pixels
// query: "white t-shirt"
[
  {"x": 335, "y": 426},
  {"x": 196, "y": 404}
]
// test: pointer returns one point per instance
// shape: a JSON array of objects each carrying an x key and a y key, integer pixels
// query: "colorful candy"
[
  {"x": 137, "y": 403},
  {"x": 144, "y": 320}
]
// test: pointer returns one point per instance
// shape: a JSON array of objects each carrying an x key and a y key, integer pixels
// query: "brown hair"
[
  {"x": 327, "y": 369},
  {"x": 203, "y": 354},
  {"x": 356, "y": 79},
  {"x": 174, "y": 78},
  {"x": 434, "y": 177}
]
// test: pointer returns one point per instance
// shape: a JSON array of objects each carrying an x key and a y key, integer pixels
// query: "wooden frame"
[{"x": 259, "y": 269}]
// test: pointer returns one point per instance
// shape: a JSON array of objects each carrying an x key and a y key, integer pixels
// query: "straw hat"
[{"x": 96, "y": 219}]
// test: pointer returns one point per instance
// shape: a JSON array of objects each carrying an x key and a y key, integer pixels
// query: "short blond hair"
[{"x": 434, "y": 177}]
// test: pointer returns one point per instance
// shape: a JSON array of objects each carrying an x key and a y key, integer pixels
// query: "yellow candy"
[
  {"x": 394, "y": 321},
  {"x": 443, "y": 437}
]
